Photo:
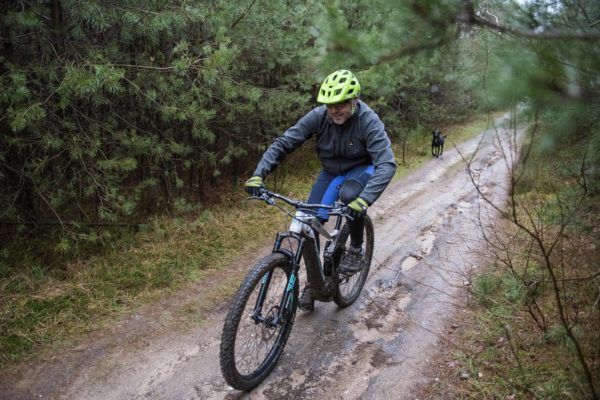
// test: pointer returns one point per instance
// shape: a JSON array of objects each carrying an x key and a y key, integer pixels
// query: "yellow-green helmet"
[{"x": 339, "y": 86}]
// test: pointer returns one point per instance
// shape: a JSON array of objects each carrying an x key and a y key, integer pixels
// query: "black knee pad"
[{"x": 349, "y": 190}]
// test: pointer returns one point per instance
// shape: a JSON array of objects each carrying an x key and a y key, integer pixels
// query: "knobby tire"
[
  {"x": 249, "y": 349},
  {"x": 349, "y": 287}
]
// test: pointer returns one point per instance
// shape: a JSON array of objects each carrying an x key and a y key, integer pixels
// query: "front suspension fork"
[{"x": 287, "y": 300}]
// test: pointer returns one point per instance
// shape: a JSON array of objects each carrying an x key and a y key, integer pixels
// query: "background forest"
[
  {"x": 113, "y": 110},
  {"x": 116, "y": 115}
]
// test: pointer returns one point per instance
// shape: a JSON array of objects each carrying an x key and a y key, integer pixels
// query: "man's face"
[{"x": 340, "y": 112}]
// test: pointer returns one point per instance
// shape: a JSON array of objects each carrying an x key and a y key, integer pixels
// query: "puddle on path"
[
  {"x": 409, "y": 263},
  {"x": 425, "y": 244},
  {"x": 383, "y": 312}
]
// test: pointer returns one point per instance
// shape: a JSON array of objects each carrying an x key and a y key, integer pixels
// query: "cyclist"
[{"x": 355, "y": 153}]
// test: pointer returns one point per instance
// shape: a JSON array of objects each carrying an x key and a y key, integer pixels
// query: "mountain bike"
[{"x": 261, "y": 316}]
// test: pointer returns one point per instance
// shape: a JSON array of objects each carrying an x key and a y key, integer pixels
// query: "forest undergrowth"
[{"x": 529, "y": 328}]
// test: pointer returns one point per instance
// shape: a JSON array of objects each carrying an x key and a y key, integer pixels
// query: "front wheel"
[
  {"x": 258, "y": 323},
  {"x": 350, "y": 286}
]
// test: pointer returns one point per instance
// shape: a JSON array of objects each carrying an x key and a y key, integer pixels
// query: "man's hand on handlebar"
[
  {"x": 357, "y": 208},
  {"x": 254, "y": 185}
]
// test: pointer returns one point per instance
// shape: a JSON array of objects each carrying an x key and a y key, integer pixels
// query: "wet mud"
[{"x": 426, "y": 240}]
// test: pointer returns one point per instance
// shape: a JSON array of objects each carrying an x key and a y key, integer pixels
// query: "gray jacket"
[{"x": 361, "y": 140}]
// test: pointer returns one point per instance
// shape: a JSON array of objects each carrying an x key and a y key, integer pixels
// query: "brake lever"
[
  {"x": 263, "y": 197},
  {"x": 267, "y": 199}
]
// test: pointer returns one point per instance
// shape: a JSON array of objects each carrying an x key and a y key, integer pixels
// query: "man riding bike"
[{"x": 356, "y": 157}]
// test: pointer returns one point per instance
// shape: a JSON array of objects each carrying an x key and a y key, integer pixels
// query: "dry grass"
[{"x": 532, "y": 329}]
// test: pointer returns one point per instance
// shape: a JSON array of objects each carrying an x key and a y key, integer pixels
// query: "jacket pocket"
[{"x": 354, "y": 148}]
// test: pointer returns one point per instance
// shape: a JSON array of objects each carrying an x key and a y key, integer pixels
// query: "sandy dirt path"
[{"x": 426, "y": 239}]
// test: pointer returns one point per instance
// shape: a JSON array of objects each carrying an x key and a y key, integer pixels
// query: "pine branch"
[
  {"x": 546, "y": 35},
  {"x": 237, "y": 21}
]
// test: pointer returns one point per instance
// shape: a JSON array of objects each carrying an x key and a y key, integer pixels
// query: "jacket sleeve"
[
  {"x": 380, "y": 150},
  {"x": 291, "y": 139}
]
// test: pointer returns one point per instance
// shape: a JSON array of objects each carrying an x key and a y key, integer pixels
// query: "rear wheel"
[
  {"x": 258, "y": 324},
  {"x": 350, "y": 286}
]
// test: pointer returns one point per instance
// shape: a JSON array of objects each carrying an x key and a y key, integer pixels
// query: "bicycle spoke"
[{"x": 251, "y": 352}]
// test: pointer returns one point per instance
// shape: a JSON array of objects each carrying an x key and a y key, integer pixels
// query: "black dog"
[{"x": 437, "y": 143}]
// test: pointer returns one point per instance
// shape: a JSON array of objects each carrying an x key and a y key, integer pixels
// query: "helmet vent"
[{"x": 338, "y": 87}]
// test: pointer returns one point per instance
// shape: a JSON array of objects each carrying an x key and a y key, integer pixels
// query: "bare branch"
[
  {"x": 546, "y": 35},
  {"x": 237, "y": 21}
]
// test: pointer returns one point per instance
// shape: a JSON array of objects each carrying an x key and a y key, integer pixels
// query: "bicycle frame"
[{"x": 319, "y": 274}]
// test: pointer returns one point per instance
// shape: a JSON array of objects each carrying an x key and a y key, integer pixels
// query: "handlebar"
[{"x": 338, "y": 208}]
